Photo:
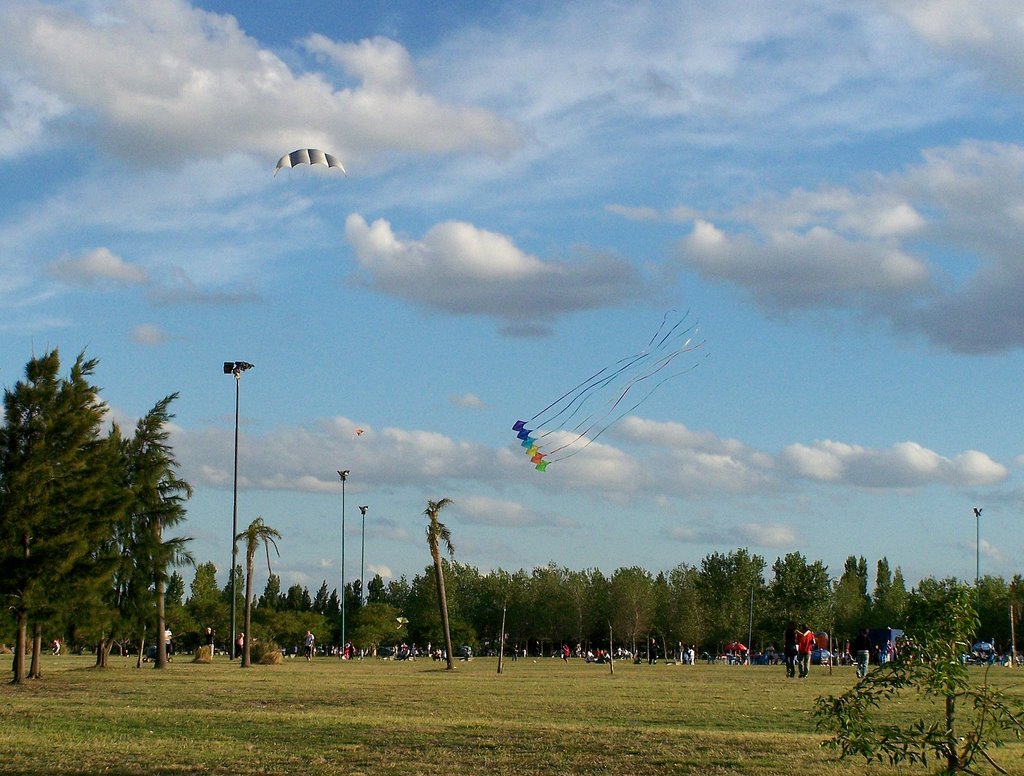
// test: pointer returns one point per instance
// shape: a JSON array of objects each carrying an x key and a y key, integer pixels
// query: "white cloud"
[
  {"x": 213, "y": 90},
  {"x": 987, "y": 33},
  {"x": 148, "y": 334},
  {"x": 468, "y": 401},
  {"x": 933, "y": 248},
  {"x": 459, "y": 268},
  {"x": 26, "y": 110},
  {"x": 489, "y": 511},
  {"x": 762, "y": 535},
  {"x": 303, "y": 458},
  {"x": 380, "y": 569},
  {"x": 904, "y": 465},
  {"x": 97, "y": 266},
  {"x": 789, "y": 268}
]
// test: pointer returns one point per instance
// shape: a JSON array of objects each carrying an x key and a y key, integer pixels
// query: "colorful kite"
[{"x": 576, "y": 419}]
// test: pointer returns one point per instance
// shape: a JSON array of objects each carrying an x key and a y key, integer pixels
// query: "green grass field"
[{"x": 326, "y": 716}]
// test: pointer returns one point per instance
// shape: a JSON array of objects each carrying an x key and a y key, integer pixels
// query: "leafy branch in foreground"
[{"x": 941, "y": 622}]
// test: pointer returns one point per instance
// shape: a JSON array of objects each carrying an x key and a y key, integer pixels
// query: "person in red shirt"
[{"x": 805, "y": 645}]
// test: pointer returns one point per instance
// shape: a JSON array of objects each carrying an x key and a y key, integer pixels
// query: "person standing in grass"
[
  {"x": 862, "y": 651},
  {"x": 789, "y": 640},
  {"x": 804, "y": 648},
  {"x": 310, "y": 640}
]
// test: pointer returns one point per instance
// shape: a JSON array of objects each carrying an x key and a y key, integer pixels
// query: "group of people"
[{"x": 798, "y": 644}]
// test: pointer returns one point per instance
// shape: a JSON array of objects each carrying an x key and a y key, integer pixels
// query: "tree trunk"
[
  {"x": 20, "y": 642},
  {"x": 161, "y": 624},
  {"x": 36, "y": 669},
  {"x": 442, "y": 602},
  {"x": 952, "y": 754},
  {"x": 247, "y": 642}
]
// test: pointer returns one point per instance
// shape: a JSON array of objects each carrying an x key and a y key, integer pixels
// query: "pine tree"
[
  {"x": 158, "y": 503},
  {"x": 58, "y": 495}
]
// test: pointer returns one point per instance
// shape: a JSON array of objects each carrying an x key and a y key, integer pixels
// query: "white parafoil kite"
[{"x": 309, "y": 156}]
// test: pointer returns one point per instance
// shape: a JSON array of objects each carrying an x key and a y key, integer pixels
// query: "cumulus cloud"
[
  {"x": 890, "y": 249},
  {"x": 768, "y": 535},
  {"x": 788, "y": 268},
  {"x": 757, "y": 534},
  {"x": 985, "y": 34},
  {"x": 95, "y": 267},
  {"x": 303, "y": 458},
  {"x": 459, "y": 268},
  {"x": 469, "y": 401},
  {"x": 214, "y": 90},
  {"x": 904, "y": 465},
  {"x": 148, "y": 334},
  {"x": 497, "y": 512}
]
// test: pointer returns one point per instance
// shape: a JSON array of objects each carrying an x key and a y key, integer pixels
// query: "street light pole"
[
  {"x": 977, "y": 560},
  {"x": 235, "y": 369},
  {"x": 362, "y": 557},
  {"x": 344, "y": 477}
]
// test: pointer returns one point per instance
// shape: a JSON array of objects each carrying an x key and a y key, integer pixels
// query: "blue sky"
[{"x": 834, "y": 191}]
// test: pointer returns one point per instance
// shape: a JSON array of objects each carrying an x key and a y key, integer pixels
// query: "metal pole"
[
  {"x": 344, "y": 477},
  {"x": 235, "y": 369},
  {"x": 234, "y": 523},
  {"x": 977, "y": 562},
  {"x": 362, "y": 558},
  {"x": 501, "y": 637},
  {"x": 1013, "y": 641}
]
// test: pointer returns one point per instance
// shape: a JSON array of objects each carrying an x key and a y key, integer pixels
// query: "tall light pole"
[
  {"x": 362, "y": 556},
  {"x": 344, "y": 477},
  {"x": 977, "y": 560},
  {"x": 235, "y": 369}
]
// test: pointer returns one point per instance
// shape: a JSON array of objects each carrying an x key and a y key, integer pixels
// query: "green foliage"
[
  {"x": 971, "y": 718},
  {"x": 850, "y": 601},
  {"x": 800, "y": 591},
  {"x": 724, "y": 585},
  {"x": 59, "y": 495},
  {"x": 377, "y": 625}
]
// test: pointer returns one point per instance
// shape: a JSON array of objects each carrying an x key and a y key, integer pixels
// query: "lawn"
[{"x": 371, "y": 717}]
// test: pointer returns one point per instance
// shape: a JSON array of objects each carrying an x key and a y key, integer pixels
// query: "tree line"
[
  {"x": 85, "y": 512},
  {"x": 728, "y": 596}
]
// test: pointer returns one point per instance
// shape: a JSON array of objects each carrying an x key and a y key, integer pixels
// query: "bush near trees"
[{"x": 971, "y": 717}]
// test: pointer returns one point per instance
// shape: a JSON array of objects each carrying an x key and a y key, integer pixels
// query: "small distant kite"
[
  {"x": 575, "y": 420},
  {"x": 360, "y": 431},
  {"x": 402, "y": 621},
  {"x": 309, "y": 156}
]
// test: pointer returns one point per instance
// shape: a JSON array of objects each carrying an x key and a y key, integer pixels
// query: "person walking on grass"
[
  {"x": 789, "y": 641},
  {"x": 310, "y": 640},
  {"x": 804, "y": 648},
  {"x": 862, "y": 651}
]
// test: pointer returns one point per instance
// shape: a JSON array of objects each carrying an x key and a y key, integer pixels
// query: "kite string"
[{"x": 661, "y": 364}]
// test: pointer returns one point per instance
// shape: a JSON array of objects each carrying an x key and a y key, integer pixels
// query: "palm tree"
[
  {"x": 438, "y": 532},
  {"x": 257, "y": 532}
]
